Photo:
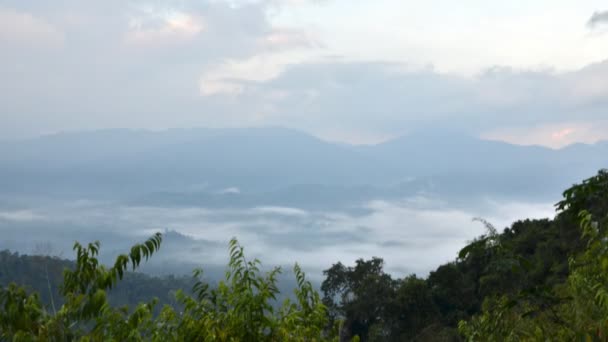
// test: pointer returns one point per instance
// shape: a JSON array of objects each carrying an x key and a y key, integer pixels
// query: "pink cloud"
[
  {"x": 561, "y": 134},
  {"x": 552, "y": 135},
  {"x": 25, "y": 28},
  {"x": 176, "y": 28}
]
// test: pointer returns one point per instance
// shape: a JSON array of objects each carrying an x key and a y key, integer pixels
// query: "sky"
[{"x": 526, "y": 72}]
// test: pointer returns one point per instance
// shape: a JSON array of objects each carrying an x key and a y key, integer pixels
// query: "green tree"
[
  {"x": 358, "y": 297},
  {"x": 239, "y": 309},
  {"x": 575, "y": 309}
]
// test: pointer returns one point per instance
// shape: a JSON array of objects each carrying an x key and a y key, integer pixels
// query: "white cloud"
[
  {"x": 171, "y": 28},
  {"x": 285, "y": 38},
  {"x": 231, "y": 77},
  {"x": 286, "y": 211},
  {"x": 20, "y": 216},
  {"x": 456, "y": 38},
  {"x": 231, "y": 190}
]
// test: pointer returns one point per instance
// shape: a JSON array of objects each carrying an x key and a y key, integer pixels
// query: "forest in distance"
[{"x": 538, "y": 279}]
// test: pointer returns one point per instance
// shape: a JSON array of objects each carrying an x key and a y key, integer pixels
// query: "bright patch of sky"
[{"x": 463, "y": 37}]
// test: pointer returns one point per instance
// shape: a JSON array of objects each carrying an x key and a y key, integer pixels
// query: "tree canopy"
[{"x": 238, "y": 309}]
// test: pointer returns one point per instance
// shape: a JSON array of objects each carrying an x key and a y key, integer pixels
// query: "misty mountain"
[{"x": 271, "y": 166}]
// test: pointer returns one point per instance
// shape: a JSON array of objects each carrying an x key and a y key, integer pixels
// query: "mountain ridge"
[
  {"x": 187, "y": 132},
  {"x": 131, "y": 163}
]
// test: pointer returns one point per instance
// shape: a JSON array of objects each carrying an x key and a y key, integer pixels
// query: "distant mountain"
[
  {"x": 276, "y": 164},
  {"x": 460, "y": 164}
]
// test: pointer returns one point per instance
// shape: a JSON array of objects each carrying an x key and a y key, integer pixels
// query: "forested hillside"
[
  {"x": 525, "y": 262},
  {"x": 44, "y": 275},
  {"x": 535, "y": 280}
]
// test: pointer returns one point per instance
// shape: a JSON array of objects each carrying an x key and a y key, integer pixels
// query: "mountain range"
[{"x": 232, "y": 167}]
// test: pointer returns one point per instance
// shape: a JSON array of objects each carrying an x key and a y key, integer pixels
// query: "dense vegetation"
[
  {"x": 44, "y": 275},
  {"x": 536, "y": 280},
  {"x": 525, "y": 282},
  {"x": 238, "y": 309}
]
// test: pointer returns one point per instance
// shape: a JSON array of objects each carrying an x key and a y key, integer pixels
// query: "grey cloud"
[
  {"x": 96, "y": 79},
  {"x": 598, "y": 18},
  {"x": 102, "y": 76},
  {"x": 385, "y": 98},
  {"x": 99, "y": 30}
]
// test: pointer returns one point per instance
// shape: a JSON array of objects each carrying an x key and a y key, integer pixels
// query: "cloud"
[
  {"x": 598, "y": 18},
  {"x": 20, "y": 216},
  {"x": 561, "y": 134},
  {"x": 297, "y": 2},
  {"x": 388, "y": 99},
  {"x": 233, "y": 76},
  {"x": 412, "y": 235},
  {"x": 172, "y": 28},
  {"x": 231, "y": 190},
  {"x": 286, "y": 211},
  {"x": 226, "y": 63},
  {"x": 22, "y": 28},
  {"x": 554, "y": 135},
  {"x": 123, "y": 63},
  {"x": 281, "y": 38}
]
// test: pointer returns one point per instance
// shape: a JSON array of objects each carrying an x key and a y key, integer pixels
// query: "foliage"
[
  {"x": 44, "y": 275},
  {"x": 575, "y": 309},
  {"x": 360, "y": 295},
  {"x": 239, "y": 309},
  {"x": 506, "y": 280}
]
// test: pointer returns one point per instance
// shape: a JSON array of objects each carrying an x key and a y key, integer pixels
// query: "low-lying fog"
[{"x": 413, "y": 235}]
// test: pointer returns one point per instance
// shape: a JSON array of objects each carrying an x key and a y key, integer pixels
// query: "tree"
[
  {"x": 575, "y": 309},
  {"x": 239, "y": 309},
  {"x": 360, "y": 296}
]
